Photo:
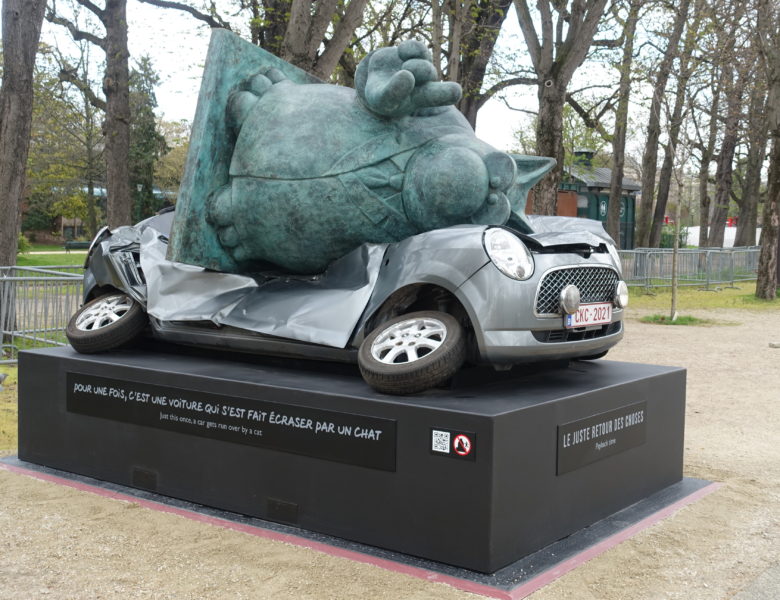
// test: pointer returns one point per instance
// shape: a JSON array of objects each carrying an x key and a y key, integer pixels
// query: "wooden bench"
[{"x": 73, "y": 245}]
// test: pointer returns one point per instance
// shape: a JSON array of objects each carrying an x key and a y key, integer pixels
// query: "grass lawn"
[
  {"x": 47, "y": 247},
  {"x": 680, "y": 320},
  {"x": 8, "y": 421},
  {"x": 690, "y": 299},
  {"x": 44, "y": 260}
]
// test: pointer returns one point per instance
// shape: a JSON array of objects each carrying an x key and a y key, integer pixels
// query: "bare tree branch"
[
  {"x": 529, "y": 32},
  {"x": 589, "y": 121},
  {"x": 345, "y": 29},
  {"x": 549, "y": 45},
  {"x": 319, "y": 24},
  {"x": 608, "y": 105},
  {"x": 592, "y": 87},
  {"x": 609, "y": 43},
  {"x": 211, "y": 20},
  {"x": 77, "y": 33},
  {"x": 70, "y": 75},
  {"x": 88, "y": 4},
  {"x": 522, "y": 110},
  {"x": 497, "y": 87}
]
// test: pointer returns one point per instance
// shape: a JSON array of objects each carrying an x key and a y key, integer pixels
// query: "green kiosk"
[{"x": 591, "y": 184}]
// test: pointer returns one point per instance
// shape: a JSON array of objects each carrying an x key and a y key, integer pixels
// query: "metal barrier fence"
[
  {"x": 35, "y": 306},
  {"x": 703, "y": 267}
]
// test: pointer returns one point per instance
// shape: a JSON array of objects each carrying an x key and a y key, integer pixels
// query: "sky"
[{"x": 177, "y": 45}]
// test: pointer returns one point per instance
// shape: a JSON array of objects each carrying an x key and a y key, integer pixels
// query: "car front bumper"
[
  {"x": 507, "y": 329},
  {"x": 519, "y": 346}
]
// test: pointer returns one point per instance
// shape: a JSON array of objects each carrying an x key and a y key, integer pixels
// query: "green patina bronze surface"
[{"x": 287, "y": 170}]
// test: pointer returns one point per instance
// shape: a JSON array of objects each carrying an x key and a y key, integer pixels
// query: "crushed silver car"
[{"x": 409, "y": 313}]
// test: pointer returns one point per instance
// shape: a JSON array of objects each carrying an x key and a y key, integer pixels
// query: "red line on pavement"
[
  {"x": 543, "y": 579},
  {"x": 516, "y": 593},
  {"x": 295, "y": 540}
]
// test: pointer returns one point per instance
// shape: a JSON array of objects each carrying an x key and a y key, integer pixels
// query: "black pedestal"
[{"x": 477, "y": 476}]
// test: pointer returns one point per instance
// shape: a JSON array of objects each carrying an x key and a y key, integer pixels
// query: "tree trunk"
[
  {"x": 676, "y": 249},
  {"x": 725, "y": 170},
  {"x": 91, "y": 165},
  {"x": 276, "y": 15},
  {"x": 549, "y": 142},
  {"x": 455, "y": 17},
  {"x": 343, "y": 32},
  {"x": 116, "y": 86},
  {"x": 723, "y": 181},
  {"x": 295, "y": 30},
  {"x": 555, "y": 59},
  {"x": 766, "y": 284},
  {"x": 22, "y": 21},
  {"x": 665, "y": 180},
  {"x": 436, "y": 36},
  {"x": 768, "y": 267},
  {"x": 704, "y": 199},
  {"x": 675, "y": 125},
  {"x": 476, "y": 48},
  {"x": 747, "y": 220},
  {"x": 650, "y": 155},
  {"x": 751, "y": 189},
  {"x": 704, "y": 168},
  {"x": 255, "y": 21},
  {"x": 621, "y": 124}
]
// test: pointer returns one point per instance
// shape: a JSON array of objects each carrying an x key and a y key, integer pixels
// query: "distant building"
[{"x": 584, "y": 192}]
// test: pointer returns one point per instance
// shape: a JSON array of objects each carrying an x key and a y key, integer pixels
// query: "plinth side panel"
[
  {"x": 497, "y": 498},
  {"x": 544, "y": 505}
]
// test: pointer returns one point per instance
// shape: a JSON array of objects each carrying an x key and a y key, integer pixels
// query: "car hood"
[{"x": 566, "y": 231}]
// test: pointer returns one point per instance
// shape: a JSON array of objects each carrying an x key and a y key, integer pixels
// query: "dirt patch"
[{"x": 61, "y": 543}]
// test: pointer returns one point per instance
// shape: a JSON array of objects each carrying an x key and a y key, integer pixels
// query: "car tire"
[
  {"x": 105, "y": 323},
  {"x": 391, "y": 361},
  {"x": 594, "y": 356}
]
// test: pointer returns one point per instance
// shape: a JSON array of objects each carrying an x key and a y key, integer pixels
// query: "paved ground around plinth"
[{"x": 57, "y": 542}]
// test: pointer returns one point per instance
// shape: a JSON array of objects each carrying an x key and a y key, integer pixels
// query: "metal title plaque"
[
  {"x": 593, "y": 438},
  {"x": 326, "y": 434}
]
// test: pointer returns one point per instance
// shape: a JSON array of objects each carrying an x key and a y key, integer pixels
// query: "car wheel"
[
  {"x": 105, "y": 323},
  {"x": 594, "y": 356},
  {"x": 412, "y": 352}
]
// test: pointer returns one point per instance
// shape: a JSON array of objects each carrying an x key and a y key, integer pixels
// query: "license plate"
[{"x": 589, "y": 314}]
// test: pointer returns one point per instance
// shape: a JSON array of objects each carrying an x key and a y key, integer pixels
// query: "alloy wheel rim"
[
  {"x": 408, "y": 341},
  {"x": 104, "y": 313}
]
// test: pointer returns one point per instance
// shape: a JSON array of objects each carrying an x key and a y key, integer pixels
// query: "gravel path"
[{"x": 57, "y": 542}]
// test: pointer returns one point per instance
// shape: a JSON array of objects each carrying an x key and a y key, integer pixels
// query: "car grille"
[
  {"x": 596, "y": 284},
  {"x": 553, "y": 336}
]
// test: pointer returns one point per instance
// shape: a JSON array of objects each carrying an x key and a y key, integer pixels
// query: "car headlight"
[
  {"x": 613, "y": 252},
  {"x": 509, "y": 254},
  {"x": 621, "y": 294}
]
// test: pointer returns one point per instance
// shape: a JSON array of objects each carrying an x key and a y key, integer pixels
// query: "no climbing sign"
[{"x": 462, "y": 445}]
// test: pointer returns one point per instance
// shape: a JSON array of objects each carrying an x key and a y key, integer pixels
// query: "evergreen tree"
[{"x": 147, "y": 143}]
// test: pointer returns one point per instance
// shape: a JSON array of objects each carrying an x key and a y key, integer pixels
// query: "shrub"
[
  {"x": 667, "y": 236},
  {"x": 23, "y": 245},
  {"x": 37, "y": 219}
]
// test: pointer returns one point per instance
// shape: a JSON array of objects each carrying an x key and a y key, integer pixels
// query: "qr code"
[{"x": 440, "y": 441}]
